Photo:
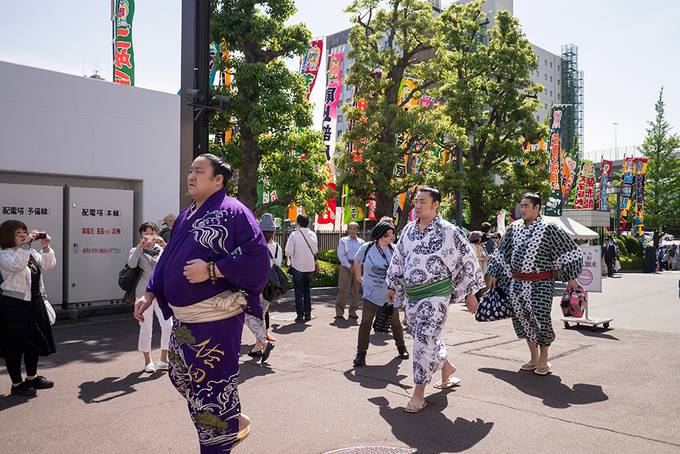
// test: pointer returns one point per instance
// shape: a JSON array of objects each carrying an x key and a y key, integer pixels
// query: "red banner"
[
  {"x": 309, "y": 68},
  {"x": 585, "y": 187}
]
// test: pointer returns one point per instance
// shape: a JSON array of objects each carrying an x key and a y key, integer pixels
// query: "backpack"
[
  {"x": 277, "y": 282},
  {"x": 574, "y": 303}
]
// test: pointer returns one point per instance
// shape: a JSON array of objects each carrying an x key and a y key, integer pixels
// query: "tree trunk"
[
  {"x": 247, "y": 174},
  {"x": 383, "y": 204},
  {"x": 474, "y": 197}
]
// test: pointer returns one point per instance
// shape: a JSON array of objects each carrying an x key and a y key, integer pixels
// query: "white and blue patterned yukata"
[
  {"x": 439, "y": 252},
  {"x": 534, "y": 248}
]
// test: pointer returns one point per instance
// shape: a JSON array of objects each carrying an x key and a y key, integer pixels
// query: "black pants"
[
  {"x": 610, "y": 267},
  {"x": 14, "y": 367},
  {"x": 303, "y": 293}
]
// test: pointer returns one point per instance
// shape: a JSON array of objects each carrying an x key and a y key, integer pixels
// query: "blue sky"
[{"x": 627, "y": 48}]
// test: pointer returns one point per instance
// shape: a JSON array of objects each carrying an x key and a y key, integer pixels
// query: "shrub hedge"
[{"x": 326, "y": 277}]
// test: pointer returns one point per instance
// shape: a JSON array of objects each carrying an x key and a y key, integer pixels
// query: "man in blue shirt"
[{"x": 348, "y": 287}]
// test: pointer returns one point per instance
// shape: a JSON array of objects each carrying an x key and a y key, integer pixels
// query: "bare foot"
[
  {"x": 448, "y": 369},
  {"x": 415, "y": 405}
]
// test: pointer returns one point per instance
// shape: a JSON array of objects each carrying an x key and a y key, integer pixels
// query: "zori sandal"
[
  {"x": 410, "y": 408},
  {"x": 450, "y": 383},
  {"x": 543, "y": 370}
]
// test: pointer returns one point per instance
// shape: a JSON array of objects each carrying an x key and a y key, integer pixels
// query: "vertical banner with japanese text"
[
  {"x": 585, "y": 187},
  {"x": 569, "y": 170},
  {"x": 329, "y": 130},
  {"x": 605, "y": 173},
  {"x": 639, "y": 219},
  {"x": 554, "y": 205},
  {"x": 123, "y": 53},
  {"x": 626, "y": 196},
  {"x": 309, "y": 68}
]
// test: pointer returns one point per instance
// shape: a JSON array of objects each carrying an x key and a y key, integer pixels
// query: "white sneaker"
[
  {"x": 150, "y": 368},
  {"x": 161, "y": 365}
]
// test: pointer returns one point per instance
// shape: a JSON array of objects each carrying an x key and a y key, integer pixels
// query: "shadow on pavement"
[
  {"x": 550, "y": 388},
  {"x": 94, "y": 343},
  {"x": 251, "y": 369},
  {"x": 343, "y": 323},
  {"x": 92, "y": 391},
  {"x": 377, "y": 376},
  {"x": 417, "y": 430},
  {"x": 290, "y": 328},
  {"x": 588, "y": 332},
  {"x": 8, "y": 401}
]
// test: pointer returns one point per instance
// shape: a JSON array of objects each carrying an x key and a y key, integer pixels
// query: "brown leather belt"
[{"x": 542, "y": 276}]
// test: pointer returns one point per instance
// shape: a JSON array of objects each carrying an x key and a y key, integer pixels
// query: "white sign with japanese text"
[
  {"x": 591, "y": 275},
  {"x": 40, "y": 208},
  {"x": 101, "y": 232}
]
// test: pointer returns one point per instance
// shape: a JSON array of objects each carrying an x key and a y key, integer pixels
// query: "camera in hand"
[{"x": 41, "y": 236}]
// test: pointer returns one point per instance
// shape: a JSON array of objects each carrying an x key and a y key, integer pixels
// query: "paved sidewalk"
[{"x": 614, "y": 391}]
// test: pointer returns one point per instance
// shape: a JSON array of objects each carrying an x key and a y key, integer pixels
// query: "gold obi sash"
[{"x": 223, "y": 305}]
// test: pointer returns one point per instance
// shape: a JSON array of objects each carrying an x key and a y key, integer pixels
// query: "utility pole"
[
  {"x": 459, "y": 192},
  {"x": 194, "y": 76}
]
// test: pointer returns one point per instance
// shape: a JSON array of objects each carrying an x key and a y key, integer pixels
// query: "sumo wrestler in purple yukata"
[{"x": 208, "y": 278}]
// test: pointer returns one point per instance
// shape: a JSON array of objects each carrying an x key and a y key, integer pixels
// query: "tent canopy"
[{"x": 575, "y": 230}]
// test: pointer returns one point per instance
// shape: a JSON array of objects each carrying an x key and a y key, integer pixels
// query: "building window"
[
  {"x": 559, "y": 82},
  {"x": 339, "y": 118},
  {"x": 546, "y": 106},
  {"x": 546, "y": 62},
  {"x": 551, "y": 64},
  {"x": 550, "y": 78},
  {"x": 546, "y": 76},
  {"x": 551, "y": 93}
]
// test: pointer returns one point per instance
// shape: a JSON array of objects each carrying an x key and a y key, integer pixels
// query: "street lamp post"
[{"x": 616, "y": 140}]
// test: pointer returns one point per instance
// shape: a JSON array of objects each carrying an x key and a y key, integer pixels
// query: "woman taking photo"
[
  {"x": 24, "y": 324},
  {"x": 145, "y": 256}
]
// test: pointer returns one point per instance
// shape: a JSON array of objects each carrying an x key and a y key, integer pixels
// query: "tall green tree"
[
  {"x": 488, "y": 94},
  {"x": 662, "y": 183},
  {"x": 269, "y": 112},
  {"x": 391, "y": 40}
]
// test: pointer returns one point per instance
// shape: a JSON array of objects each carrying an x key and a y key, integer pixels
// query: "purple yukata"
[{"x": 204, "y": 357}]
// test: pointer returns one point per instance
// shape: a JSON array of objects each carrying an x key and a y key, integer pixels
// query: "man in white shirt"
[
  {"x": 301, "y": 249},
  {"x": 348, "y": 286}
]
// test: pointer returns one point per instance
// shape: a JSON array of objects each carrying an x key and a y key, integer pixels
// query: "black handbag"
[
  {"x": 494, "y": 305},
  {"x": 127, "y": 278},
  {"x": 383, "y": 319},
  {"x": 277, "y": 284}
]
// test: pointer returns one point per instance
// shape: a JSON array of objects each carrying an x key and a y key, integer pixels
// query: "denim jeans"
[{"x": 303, "y": 295}]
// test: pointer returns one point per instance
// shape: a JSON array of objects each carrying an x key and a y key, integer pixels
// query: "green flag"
[{"x": 123, "y": 54}]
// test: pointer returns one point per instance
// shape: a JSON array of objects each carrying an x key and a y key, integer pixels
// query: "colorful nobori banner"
[
  {"x": 568, "y": 177},
  {"x": 309, "y": 67},
  {"x": 627, "y": 181},
  {"x": 605, "y": 173},
  {"x": 585, "y": 187},
  {"x": 329, "y": 130},
  {"x": 639, "y": 219},
  {"x": 123, "y": 53},
  {"x": 554, "y": 205}
]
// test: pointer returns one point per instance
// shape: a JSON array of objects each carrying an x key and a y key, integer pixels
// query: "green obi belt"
[{"x": 429, "y": 290}]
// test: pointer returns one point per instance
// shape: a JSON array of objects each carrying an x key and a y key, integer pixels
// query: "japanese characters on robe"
[
  {"x": 439, "y": 253},
  {"x": 534, "y": 248},
  {"x": 203, "y": 362}
]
